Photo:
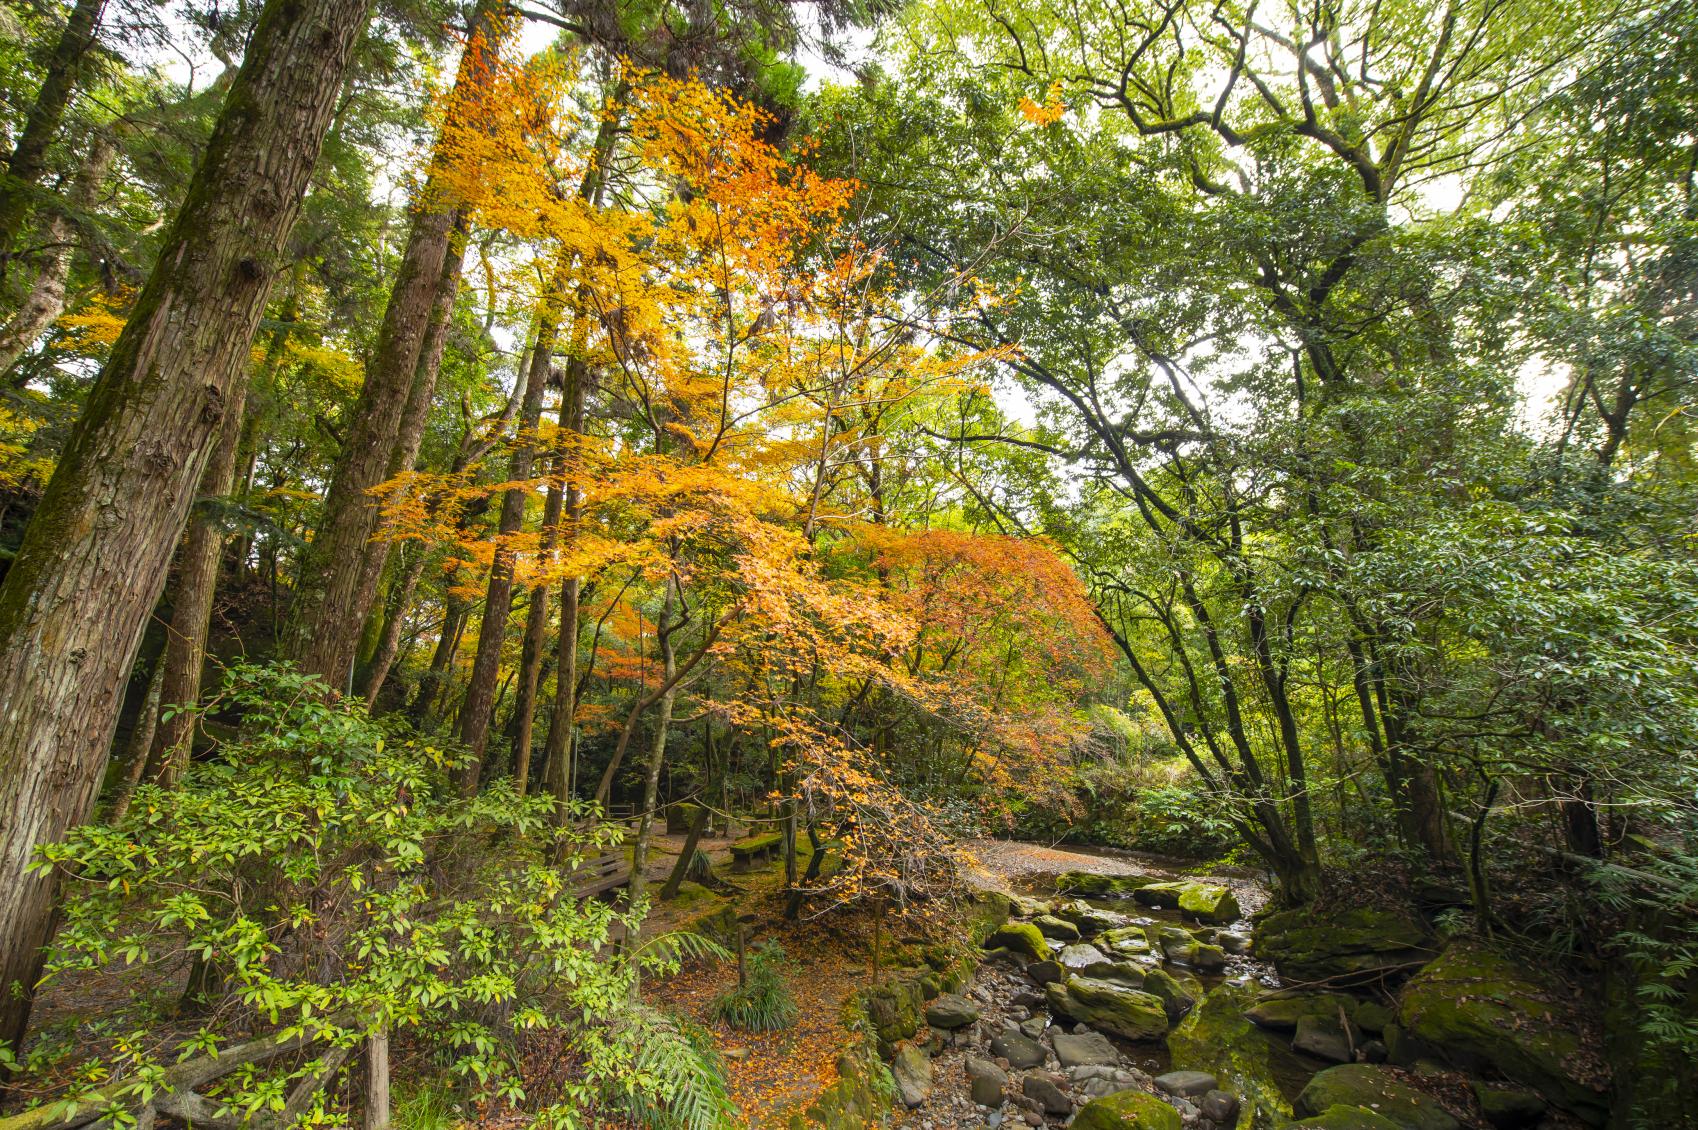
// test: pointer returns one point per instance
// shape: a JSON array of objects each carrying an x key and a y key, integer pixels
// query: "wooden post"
[{"x": 377, "y": 1081}]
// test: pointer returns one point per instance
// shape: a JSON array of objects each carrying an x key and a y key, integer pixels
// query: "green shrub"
[
  {"x": 763, "y": 1002},
  {"x": 325, "y": 876}
]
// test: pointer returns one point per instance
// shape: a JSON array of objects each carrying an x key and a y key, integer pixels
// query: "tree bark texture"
[
  {"x": 333, "y": 591},
  {"x": 114, "y": 509}
]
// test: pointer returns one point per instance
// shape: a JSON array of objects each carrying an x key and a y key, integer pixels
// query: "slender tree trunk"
[
  {"x": 119, "y": 498},
  {"x": 46, "y": 298},
  {"x": 442, "y": 659},
  {"x": 141, "y": 741},
  {"x": 475, "y": 713},
  {"x": 333, "y": 591},
  {"x": 657, "y": 744},
  {"x": 390, "y": 644},
  {"x": 560, "y": 748},
  {"x": 682, "y": 868},
  {"x": 28, "y": 159}
]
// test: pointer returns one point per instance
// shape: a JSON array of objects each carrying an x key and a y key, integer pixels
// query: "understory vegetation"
[{"x": 476, "y": 477}]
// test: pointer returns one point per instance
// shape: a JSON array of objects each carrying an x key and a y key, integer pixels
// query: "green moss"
[
  {"x": 1214, "y": 905},
  {"x": 1089, "y": 884},
  {"x": 1126, "y": 1110},
  {"x": 1282, "y": 1009},
  {"x": 1215, "y": 1037},
  {"x": 1348, "y": 1118},
  {"x": 1378, "y": 1089},
  {"x": 765, "y": 842}
]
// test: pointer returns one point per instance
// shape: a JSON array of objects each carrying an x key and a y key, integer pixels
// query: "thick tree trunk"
[
  {"x": 113, "y": 511},
  {"x": 333, "y": 591},
  {"x": 28, "y": 159},
  {"x": 478, "y": 708},
  {"x": 46, "y": 298}
]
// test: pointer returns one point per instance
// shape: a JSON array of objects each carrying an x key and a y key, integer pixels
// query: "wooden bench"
[
  {"x": 603, "y": 873},
  {"x": 745, "y": 853}
]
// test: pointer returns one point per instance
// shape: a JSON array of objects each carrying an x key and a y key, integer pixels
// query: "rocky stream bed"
[{"x": 1139, "y": 999}]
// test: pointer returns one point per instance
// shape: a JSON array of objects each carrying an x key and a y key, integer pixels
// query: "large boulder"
[
  {"x": 913, "y": 1070},
  {"x": 1209, "y": 903},
  {"x": 1126, "y": 1110},
  {"x": 1021, "y": 937},
  {"x": 1342, "y": 947},
  {"x": 1129, "y": 940},
  {"x": 986, "y": 1081},
  {"x": 1378, "y": 1089},
  {"x": 1325, "y": 1037},
  {"x": 1186, "y": 1084},
  {"x": 1045, "y": 1090},
  {"x": 1088, "y": 918},
  {"x": 1480, "y": 1009},
  {"x": 1109, "y": 1007}
]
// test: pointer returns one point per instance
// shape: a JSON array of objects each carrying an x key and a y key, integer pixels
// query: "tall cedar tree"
[{"x": 94, "y": 560}]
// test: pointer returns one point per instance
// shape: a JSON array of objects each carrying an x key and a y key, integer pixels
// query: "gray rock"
[
  {"x": 1034, "y": 1027},
  {"x": 1043, "y": 972},
  {"x": 1088, "y": 1049},
  {"x": 1220, "y": 1107},
  {"x": 1081, "y": 954},
  {"x": 951, "y": 1011},
  {"x": 985, "y": 1081},
  {"x": 1017, "y": 1049},
  {"x": 1325, "y": 1038},
  {"x": 913, "y": 1071},
  {"x": 1096, "y": 1080},
  {"x": 1233, "y": 942},
  {"x": 1186, "y": 1083},
  {"x": 1026, "y": 998},
  {"x": 1045, "y": 1090}
]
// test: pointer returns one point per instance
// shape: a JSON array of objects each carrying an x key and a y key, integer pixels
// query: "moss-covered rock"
[
  {"x": 1089, "y": 884},
  {"x": 1128, "y": 940},
  {"x": 1056, "y": 929},
  {"x": 1376, "y": 1088},
  {"x": 1022, "y": 938},
  {"x": 1209, "y": 903},
  {"x": 987, "y": 911},
  {"x": 1342, "y": 947},
  {"x": 894, "y": 1010},
  {"x": 862, "y": 1096},
  {"x": 1126, "y": 1110},
  {"x": 1281, "y": 1009},
  {"x": 1215, "y": 1037},
  {"x": 1162, "y": 896},
  {"x": 1347, "y": 1118},
  {"x": 1109, "y": 1007},
  {"x": 1088, "y": 918},
  {"x": 1478, "y": 1009},
  {"x": 1507, "y": 1106},
  {"x": 1175, "y": 1000}
]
